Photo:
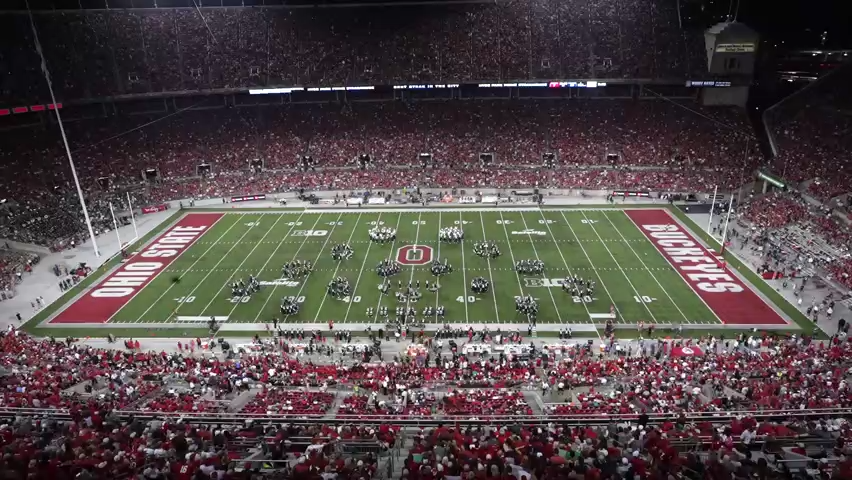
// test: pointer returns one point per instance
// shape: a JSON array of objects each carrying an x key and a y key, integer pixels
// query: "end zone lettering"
[
  {"x": 723, "y": 292},
  {"x": 109, "y": 296}
]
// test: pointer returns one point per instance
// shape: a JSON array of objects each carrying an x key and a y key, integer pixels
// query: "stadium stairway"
[{"x": 241, "y": 400}]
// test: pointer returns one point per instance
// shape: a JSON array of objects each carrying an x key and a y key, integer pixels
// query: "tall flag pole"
[{"x": 46, "y": 73}]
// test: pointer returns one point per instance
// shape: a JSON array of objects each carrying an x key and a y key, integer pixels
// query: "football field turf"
[{"x": 184, "y": 277}]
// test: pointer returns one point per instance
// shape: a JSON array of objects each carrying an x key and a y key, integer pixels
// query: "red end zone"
[
  {"x": 732, "y": 301},
  {"x": 101, "y": 302}
]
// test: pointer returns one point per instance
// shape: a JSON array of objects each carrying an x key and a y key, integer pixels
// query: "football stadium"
[{"x": 441, "y": 240}]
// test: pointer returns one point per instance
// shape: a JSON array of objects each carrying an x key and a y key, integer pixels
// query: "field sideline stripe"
[
  {"x": 167, "y": 290},
  {"x": 549, "y": 290},
  {"x": 685, "y": 318},
  {"x": 626, "y": 277},
  {"x": 603, "y": 284}
]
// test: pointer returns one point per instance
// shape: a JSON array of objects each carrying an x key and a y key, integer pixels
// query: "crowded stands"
[
  {"x": 126, "y": 51},
  {"x": 813, "y": 135},
  {"x": 761, "y": 372},
  {"x": 651, "y": 145}
]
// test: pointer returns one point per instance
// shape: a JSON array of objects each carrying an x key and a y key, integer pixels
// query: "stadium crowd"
[
  {"x": 123, "y": 51},
  {"x": 735, "y": 374},
  {"x": 813, "y": 135},
  {"x": 651, "y": 145}
]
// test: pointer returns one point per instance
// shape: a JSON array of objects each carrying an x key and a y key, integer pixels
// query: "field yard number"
[
  {"x": 583, "y": 299},
  {"x": 309, "y": 233},
  {"x": 548, "y": 222},
  {"x": 293, "y": 224},
  {"x": 185, "y": 299},
  {"x": 377, "y": 223},
  {"x": 355, "y": 299},
  {"x": 643, "y": 299},
  {"x": 335, "y": 223},
  {"x": 461, "y": 222},
  {"x": 253, "y": 224},
  {"x": 504, "y": 222},
  {"x": 470, "y": 299},
  {"x": 239, "y": 299},
  {"x": 588, "y": 221},
  {"x": 419, "y": 222}
]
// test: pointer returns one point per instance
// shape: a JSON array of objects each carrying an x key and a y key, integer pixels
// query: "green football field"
[{"x": 602, "y": 245}]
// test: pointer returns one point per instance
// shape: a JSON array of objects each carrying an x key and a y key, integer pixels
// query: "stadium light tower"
[{"x": 46, "y": 74}]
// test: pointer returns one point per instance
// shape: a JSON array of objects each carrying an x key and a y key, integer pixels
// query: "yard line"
[
  {"x": 236, "y": 270},
  {"x": 646, "y": 267},
  {"x": 337, "y": 268},
  {"x": 511, "y": 253},
  {"x": 301, "y": 244},
  {"x": 322, "y": 249},
  {"x": 437, "y": 292},
  {"x": 535, "y": 250},
  {"x": 490, "y": 275},
  {"x": 570, "y": 273},
  {"x": 167, "y": 290},
  {"x": 269, "y": 258},
  {"x": 464, "y": 274},
  {"x": 361, "y": 272},
  {"x": 591, "y": 263},
  {"x": 592, "y": 226},
  {"x": 411, "y": 277},
  {"x": 673, "y": 267},
  {"x": 390, "y": 255}
]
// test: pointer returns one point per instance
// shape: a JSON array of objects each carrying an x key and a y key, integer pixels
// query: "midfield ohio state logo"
[{"x": 414, "y": 255}]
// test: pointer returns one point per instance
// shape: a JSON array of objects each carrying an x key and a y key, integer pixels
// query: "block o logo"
[{"x": 414, "y": 255}]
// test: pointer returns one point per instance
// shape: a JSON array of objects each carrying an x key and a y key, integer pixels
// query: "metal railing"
[{"x": 401, "y": 420}]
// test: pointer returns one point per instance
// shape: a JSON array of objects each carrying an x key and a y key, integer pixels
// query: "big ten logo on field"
[
  {"x": 414, "y": 255},
  {"x": 309, "y": 233}
]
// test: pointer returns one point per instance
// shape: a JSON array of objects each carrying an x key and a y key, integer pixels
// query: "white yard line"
[
  {"x": 390, "y": 255},
  {"x": 361, "y": 272},
  {"x": 171, "y": 285},
  {"x": 236, "y": 270},
  {"x": 337, "y": 268},
  {"x": 695, "y": 239},
  {"x": 511, "y": 254},
  {"x": 316, "y": 260},
  {"x": 595, "y": 269},
  {"x": 490, "y": 275},
  {"x": 635, "y": 292},
  {"x": 564, "y": 261},
  {"x": 413, "y": 267},
  {"x": 269, "y": 258},
  {"x": 438, "y": 292},
  {"x": 549, "y": 291},
  {"x": 274, "y": 287},
  {"x": 464, "y": 274},
  {"x": 685, "y": 318}
]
